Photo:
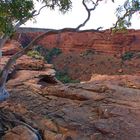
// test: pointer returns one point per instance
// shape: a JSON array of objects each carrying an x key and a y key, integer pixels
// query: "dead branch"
[
  {"x": 89, "y": 10},
  {"x": 128, "y": 13}
]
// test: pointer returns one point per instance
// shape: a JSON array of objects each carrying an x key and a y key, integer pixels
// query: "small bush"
[
  {"x": 42, "y": 50},
  {"x": 127, "y": 56},
  {"x": 34, "y": 54},
  {"x": 64, "y": 78},
  {"x": 52, "y": 53}
]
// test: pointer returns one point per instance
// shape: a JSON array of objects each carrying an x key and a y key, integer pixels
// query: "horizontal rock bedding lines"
[{"x": 103, "y": 41}]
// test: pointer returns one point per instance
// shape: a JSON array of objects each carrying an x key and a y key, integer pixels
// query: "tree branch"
[
  {"x": 23, "y": 21},
  {"x": 128, "y": 12},
  {"x": 6, "y": 37},
  {"x": 4, "y": 73},
  {"x": 27, "y": 18},
  {"x": 39, "y": 11},
  {"x": 88, "y": 12}
]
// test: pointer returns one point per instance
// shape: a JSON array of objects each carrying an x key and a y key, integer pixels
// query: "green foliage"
[
  {"x": 52, "y": 53},
  {"x": 47, "y": 54},
  {"x": 127, "y": 56},
  {"x": 35, "y": 54},
  {"x": 63, "y": 5},
  {"x": 125, "y": 12},
  {"x": 13, "y": 11},
  {"x": 64, "y": 78},
  {"x": 16, "y": 11},
  {"x": 42, "y": 50}
]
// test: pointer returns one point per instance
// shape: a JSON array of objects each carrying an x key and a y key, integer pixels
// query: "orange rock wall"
[{"x": 104, "y": 42}]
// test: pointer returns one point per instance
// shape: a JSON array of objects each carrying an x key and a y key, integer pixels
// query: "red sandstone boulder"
[
  {"x": 29, "y": 63},
  {"x": 11, "y": 47},
  {"x": 26, "y": 67},
  {"x": 20, "y": 133}
]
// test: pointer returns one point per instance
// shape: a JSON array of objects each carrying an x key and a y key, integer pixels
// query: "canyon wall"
[{"x": 103, "y": 41}]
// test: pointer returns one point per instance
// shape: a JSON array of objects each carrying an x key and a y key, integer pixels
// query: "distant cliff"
[{"x": 103, "y": 41}]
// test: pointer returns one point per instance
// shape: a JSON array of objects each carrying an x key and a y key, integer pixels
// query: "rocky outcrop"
[
  {"x": 20, "y": 133},
  {"x": 10, "y": 48},
  {"x": 105, "y": 108},
  {"x": 25, "y": 67},
  {"x": 103, "y": 41}
]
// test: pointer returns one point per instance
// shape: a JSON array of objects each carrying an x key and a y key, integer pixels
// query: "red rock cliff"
[{"x": 104, "y": 41}]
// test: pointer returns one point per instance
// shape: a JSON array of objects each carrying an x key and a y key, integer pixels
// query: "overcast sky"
[{"x": 103, "y": 16}]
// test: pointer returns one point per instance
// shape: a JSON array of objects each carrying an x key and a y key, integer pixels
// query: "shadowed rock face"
[{"x": 106, "y": 108}]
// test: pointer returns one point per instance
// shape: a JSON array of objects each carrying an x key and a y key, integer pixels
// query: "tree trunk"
[
  {"x": 3, "y": 92},
  {"x": 3, "y": 41}
]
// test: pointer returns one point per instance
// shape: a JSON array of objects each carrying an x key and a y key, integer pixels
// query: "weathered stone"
[
  {"x": 20, "y": 133},
  {"x": 25, "y": 75},
  {"x": 10, "y": 48},
  {"x": 48, "y": 135},
  {"x": 61, "y": 114},
  {"x": 105, "y": 42},
  {"x": 29, "y": 63}
]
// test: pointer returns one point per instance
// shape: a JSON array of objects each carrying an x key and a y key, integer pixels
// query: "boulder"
[
  {"x": 10, "y": 48},
  {"x": 106, "y": 108},
  {"x": 20, "y": 133},
  {"x": 28, "y": 63}
]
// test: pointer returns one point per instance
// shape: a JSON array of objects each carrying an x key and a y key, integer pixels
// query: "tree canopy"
[
  {"x": 125, "y": 12},
  {"x": 14, "y": 12}
]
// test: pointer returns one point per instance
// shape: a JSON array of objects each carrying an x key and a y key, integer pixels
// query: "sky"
[{"x": 103, "y": 16}]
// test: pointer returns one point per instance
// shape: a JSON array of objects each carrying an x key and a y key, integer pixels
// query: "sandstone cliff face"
[{"x": 104, "y": 41}]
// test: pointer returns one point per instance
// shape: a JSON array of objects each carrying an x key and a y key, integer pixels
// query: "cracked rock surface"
[
  {"x": 96, "y": 110},
  {"x": 42, "y": 108}
]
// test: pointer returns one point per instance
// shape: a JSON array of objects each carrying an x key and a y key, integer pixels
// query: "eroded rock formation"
[
  {"x": 104, "y": 108},
  {"x": 104, "y": 41},
  {"x": 25, "y": 67}
]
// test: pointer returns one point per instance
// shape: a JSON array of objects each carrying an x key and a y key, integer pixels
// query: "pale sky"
[{"x": 103, "y": 16}]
